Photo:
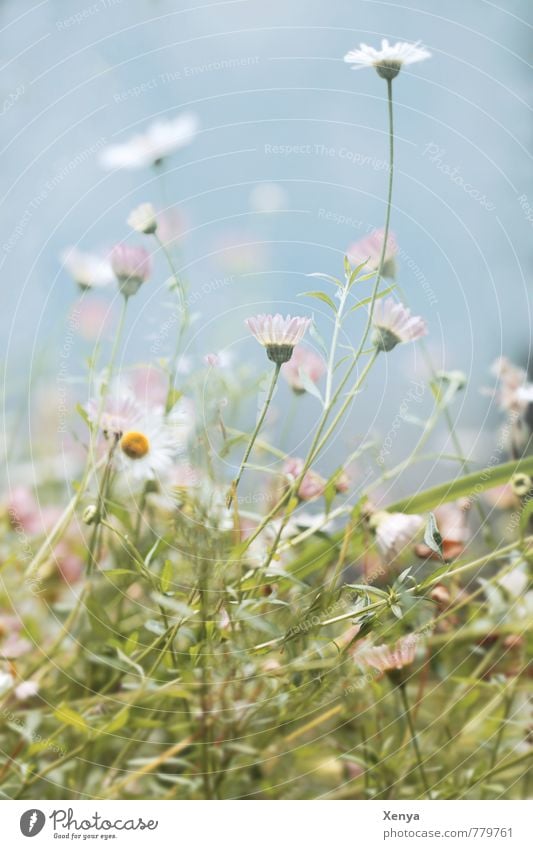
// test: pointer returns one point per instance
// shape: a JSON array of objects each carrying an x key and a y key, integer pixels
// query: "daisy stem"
[
  {"x": 412, "y": 730},
  {"x": 182, "y": 309},
  {"x": 233, "y": 489}
]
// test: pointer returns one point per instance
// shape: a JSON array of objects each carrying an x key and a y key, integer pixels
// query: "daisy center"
[{"x": 135, "y": 445}]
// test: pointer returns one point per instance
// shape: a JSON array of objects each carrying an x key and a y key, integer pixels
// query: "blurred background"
[{"x": 287, "y": 170}]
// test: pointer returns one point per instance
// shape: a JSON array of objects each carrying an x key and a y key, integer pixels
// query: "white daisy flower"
[
  {"x": 278, "y": 335},
  {"x": 160, "y": 139},
  {"x": 143, "y": 219},
  {"x": 88, "y": 270},
  {"x": 395, "y": 531},
  {"x": 389, "y": 60},
  {"x": 121, "y": 409},
  {"x": 147, "y": 451},
  {"x": 393, "y": 324}
]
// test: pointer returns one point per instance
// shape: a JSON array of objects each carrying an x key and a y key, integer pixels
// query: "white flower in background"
[
  {"x": 143, "y": 219},
  {"x": 278, "y": 335},
  {"x": 120, "y": 411},
  {"x": 131, "y": 266},
  {"x": 393, "y": 324},
  {"x": 26, "y": 690},
  {"x": 389, "y": 60},
  {"x": 160, "y": 139},
  {"x": 514, "y": 392},
  {"x": 146, "y": 452},
  {"x": 368, "y": 249},
  {"x": 88, "y": 270},
  {"x": 395, "y": 531}
]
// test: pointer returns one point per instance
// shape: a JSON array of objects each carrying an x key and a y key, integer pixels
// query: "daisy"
[
  {"x": 278, "y": 335},
  {"x": 389, "y": 60},
  {"x": 303, "y": 362},
  {"x": 88, "y": 270},
  {"x": 121, "y": 410},
  {"x": 395, "y": 531},
  {"x": 160, "y": 139},
  {"x": 146, "y": 451},
  {"x": 143, "y": 219},
  {"x": 385, "y": 658},
  {"x": 368, "y": 249},
  {"x": 131, "y": 266},
  {"x": 393, "y": 324}
]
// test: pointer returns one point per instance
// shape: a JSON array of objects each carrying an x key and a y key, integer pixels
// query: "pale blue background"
[{"x": 473, "y": 99}]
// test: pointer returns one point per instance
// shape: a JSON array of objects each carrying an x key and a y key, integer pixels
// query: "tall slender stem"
[
  {"x": 414, "y": 738},
  {"x": 233, "y": 489}
]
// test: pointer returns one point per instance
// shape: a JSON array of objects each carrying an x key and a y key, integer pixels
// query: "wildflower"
[
  {"x": 146, "y": 451},
  {"x": 143, "y": 219},
  {"x": 160, "y": 139},
  {"x": 88, "y": 270},
  {"x": 389, "y": 60},
  {"x": 395, "y": 531},
  {"x": 131, "y": 266},
  {"x": 394, "y": 324},
  {"x": 303, "y": 362},
  {"x": 312, "y": 485},
  {"x": 26, "y": 689},
  {"x": 387, "y": 659},
  {"x": 278, "y": 335},
  {"x": 369, "y": 249},
  {"x": 514, "y": 392},
  {"x": 120, "y": 411}
]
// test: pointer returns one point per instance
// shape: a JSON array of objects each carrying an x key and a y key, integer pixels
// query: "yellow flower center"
[{"x": 135, "y": 445}]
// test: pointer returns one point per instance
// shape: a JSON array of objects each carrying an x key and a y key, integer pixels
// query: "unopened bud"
[{"x": 89, "y": 514}]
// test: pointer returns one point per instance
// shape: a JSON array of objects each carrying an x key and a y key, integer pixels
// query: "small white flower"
[
  {"x": 389, "y": 60},
  {"x": 143, "y": 219},
  {"x": 146, "y": 452},
  {"x": 159, "y": 140},
  {"x": 393, "y": 324},
  {"x": 514, "y": 393},
  {"x": 395, "y": 531},
  {"x": 89, "y": 270},
  {"x": 278, "y": 335}
]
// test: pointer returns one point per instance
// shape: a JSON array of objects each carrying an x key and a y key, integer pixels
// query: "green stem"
[
  {"x": 414, "y": 738},
  {"x": 233, "y": 489}
]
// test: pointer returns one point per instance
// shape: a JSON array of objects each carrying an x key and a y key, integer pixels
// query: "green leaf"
[
  {"x": 83, "y": 413},
  {"x": 118, "y": 721},
  {"x": 67, "y": 716},
  {"x": 320, "y": 296},
  {"x": 327, "y": 277},
  {"x": 167, "y": 575},
  {"x": 432, "y": 535}
]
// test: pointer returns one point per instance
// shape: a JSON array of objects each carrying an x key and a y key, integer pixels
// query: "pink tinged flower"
[
  {"x": 212, "y": 360},
  {"x": 120, "y": 412},
  {"x": 394, "y": 324},
  {"x": 26, "y": 690},
  {"x": 312, "y": 485},
  {"x": 342, "y": 482},
  {"x": 278, "y": 335},
  {"x": 389, "y": 60},
  {"x": 368, "y": 249},
  {"x": 303, "y": 365},
  {"x": 395, "y": 531},
  {"x": 131, "y": 266},
  {"x": 159, "y": 140},
  {"x": 385, "y": 658},
  {"x": 514, "y": 393},
  {"x": 88, "y": 270}
]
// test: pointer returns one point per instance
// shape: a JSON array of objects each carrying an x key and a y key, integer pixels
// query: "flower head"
[
  {"x": 277, "y": 334},
  {"x": 514, "y": 392},
  {"x": 303, "y": 362},
  {"x": 89, "y": 270},
  {"x": 393, "y": 324},
  {"x": 131, "y": 266},
  {"x": 370, "y": 247},
  {"x": 120, "y": 411},
  {"x": 146, "y": 451},
  {"x": 159, "y": 140},
  {"x": 385, "y": 658},
  {"x": 395, "y": 531},
  {"x": 143, "y": 219},
  {"x": 389, "y": 60}
]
